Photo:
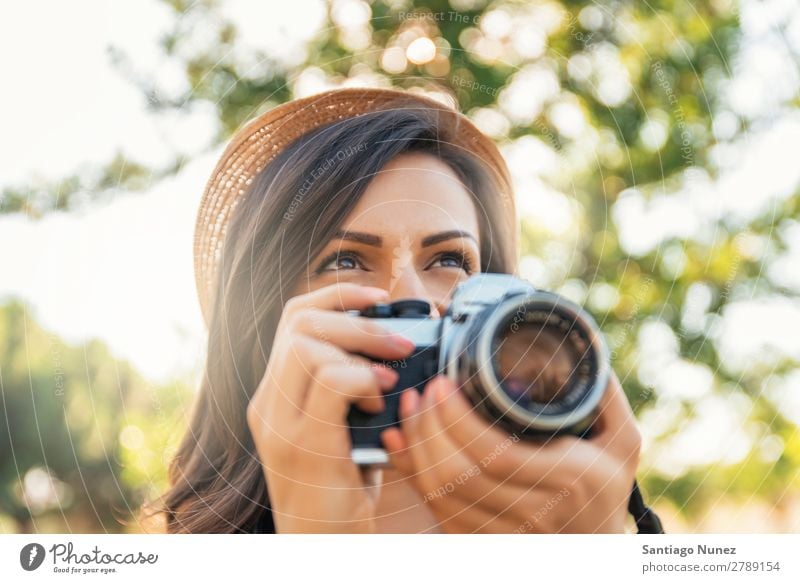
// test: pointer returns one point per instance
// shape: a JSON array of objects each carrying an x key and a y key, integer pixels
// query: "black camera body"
[{"x": 530, "y": 361}]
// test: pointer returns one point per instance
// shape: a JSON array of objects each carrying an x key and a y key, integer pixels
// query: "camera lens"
[{"x": 535, "y": 363}]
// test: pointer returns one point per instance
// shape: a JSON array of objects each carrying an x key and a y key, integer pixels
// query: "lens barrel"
[{"x": 535, "y": 363}]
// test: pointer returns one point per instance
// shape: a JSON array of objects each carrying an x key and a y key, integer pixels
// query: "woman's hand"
[
  {"x": 298, "y": 414},
  {"x": 477, "y": 478}
]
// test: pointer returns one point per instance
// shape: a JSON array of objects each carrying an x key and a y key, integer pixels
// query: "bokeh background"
[{"x": 654, "y": 148}]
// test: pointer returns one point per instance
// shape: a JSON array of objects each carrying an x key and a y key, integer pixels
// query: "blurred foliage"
[
  {"x": 41, "y": 196},
  {"x": 643, "y": 81},
  {"x": 84, "y": 440}
]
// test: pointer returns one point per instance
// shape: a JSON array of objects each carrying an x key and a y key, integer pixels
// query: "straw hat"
[{"x": 262, "y": 138}]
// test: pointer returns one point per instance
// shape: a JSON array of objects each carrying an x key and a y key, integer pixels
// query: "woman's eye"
[
  {"x": 338, "y": 262},
  {"x": 458, "y": 260}
]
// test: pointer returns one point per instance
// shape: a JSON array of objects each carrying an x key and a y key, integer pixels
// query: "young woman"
[{"x": 333, "y": 203}]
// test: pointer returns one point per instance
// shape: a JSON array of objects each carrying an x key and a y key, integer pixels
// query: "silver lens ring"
[{"x": 482, "y": 382}]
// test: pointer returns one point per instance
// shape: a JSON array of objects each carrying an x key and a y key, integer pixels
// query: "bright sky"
[
  {"x": 122, "y": 271},
  {"x": 118, "y": 271}
]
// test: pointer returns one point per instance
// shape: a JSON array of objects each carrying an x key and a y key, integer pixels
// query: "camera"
[{"x": 530, "y": 361}]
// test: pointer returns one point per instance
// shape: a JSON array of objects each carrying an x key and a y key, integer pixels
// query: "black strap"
[{"x": 647, "y": 521}]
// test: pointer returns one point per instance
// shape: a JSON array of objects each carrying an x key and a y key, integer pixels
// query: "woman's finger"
[
  {"x": 395, "y": 444},
  {"x": 297, "y": 359},
  {"x": 335, "y": 387},
  {"x": 456, "y": 515},
  {"x": 449, "y": 470},
  {"x": 412, "y": 458},
  {"x": 353, "y": 334},
  {"x": 615, "y": 429},
  {"x": 500, "y": 453}
]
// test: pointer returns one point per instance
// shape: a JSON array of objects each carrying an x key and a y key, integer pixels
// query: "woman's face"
[{"x": 414, "y": 233}]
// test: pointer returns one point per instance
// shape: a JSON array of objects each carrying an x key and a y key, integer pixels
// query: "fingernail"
[
  {"x": 425, "y": 398},
  {"x": 444, "y": 387},
  {"x": 378, "y": 294},
  {"x": 373, "y": 404},
  {"x": 387, "y": 378},
  {"x": 402, "y": 342},
  {"x": 409, "y": 403},
  {"x": 380, "y": 406}
]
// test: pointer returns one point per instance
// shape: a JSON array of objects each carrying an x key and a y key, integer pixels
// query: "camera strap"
[{"x": 647, "y": 521}]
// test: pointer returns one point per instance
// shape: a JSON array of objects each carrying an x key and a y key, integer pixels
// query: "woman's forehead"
[{"x": 414, "y": 194}]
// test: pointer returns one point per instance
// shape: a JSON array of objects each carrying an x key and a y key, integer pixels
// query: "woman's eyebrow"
[
  {"x": 376, "y": 241},
  {"x": 445, "y": 235},
  {"x": 364, "y": 238}
]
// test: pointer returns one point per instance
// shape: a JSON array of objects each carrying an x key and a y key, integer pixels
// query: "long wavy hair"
[{"x": 287, "y": 216}]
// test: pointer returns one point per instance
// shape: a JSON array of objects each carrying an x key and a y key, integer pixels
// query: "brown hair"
[{"x": 286, "y": 217}]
